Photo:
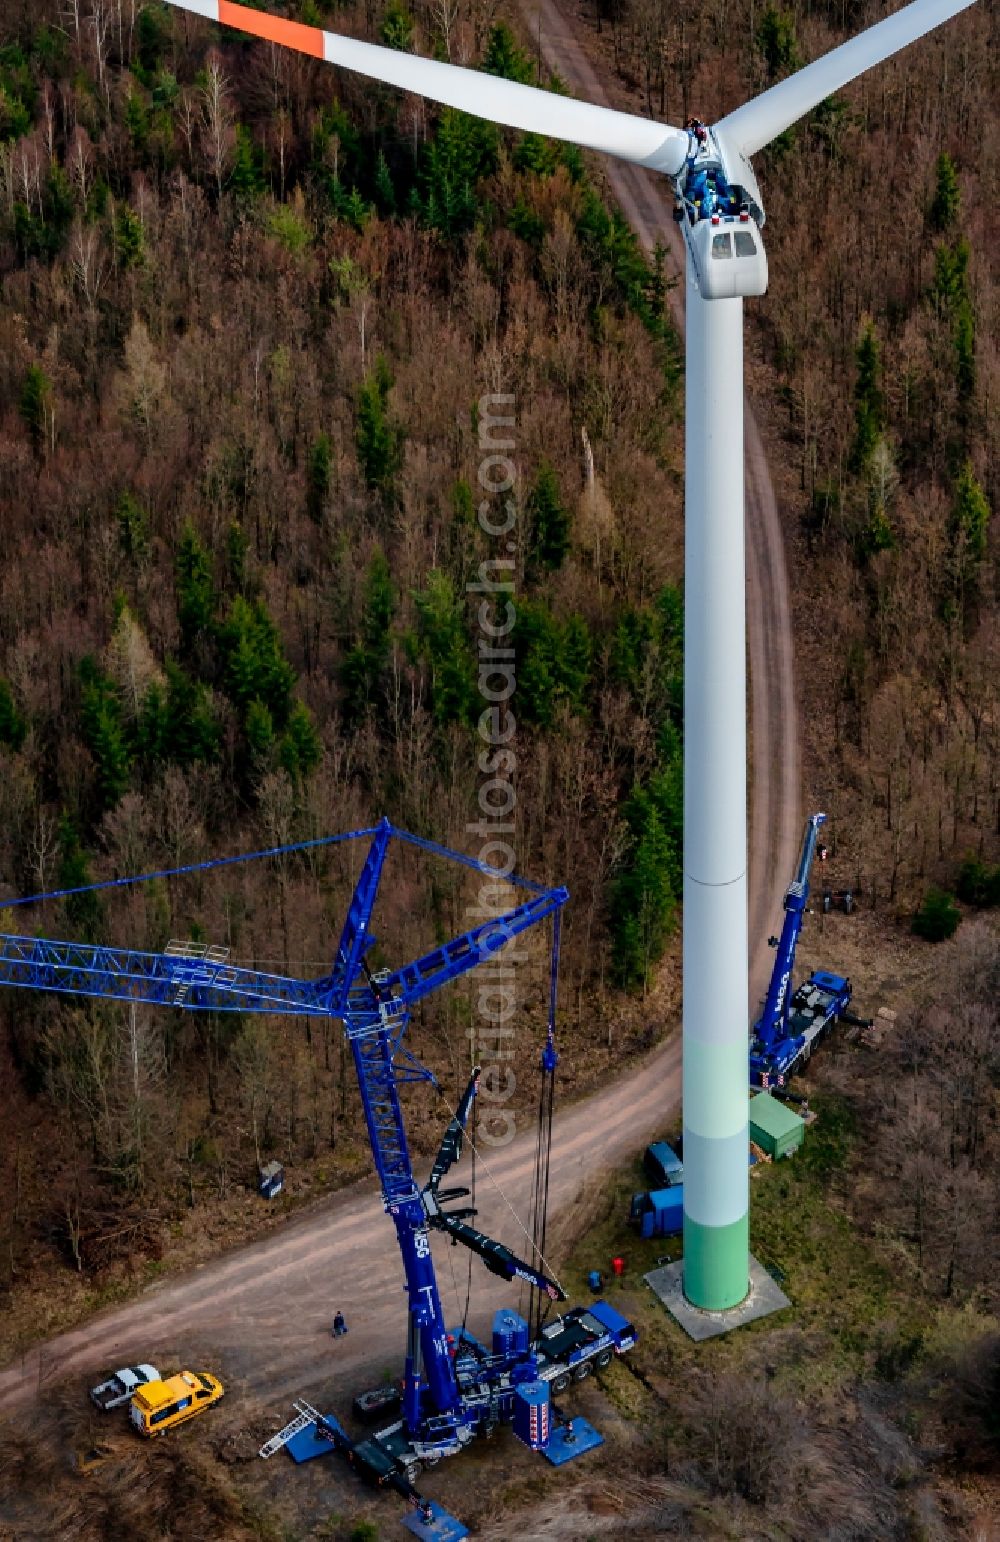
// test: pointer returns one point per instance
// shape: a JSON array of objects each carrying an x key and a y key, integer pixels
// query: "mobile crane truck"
[{"x": 792, "y": 1024}]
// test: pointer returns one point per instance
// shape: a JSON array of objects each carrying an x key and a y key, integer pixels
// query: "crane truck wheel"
[
  {"x": 604, "y": 1359},
  {"x": 560, "y": 1382},
  {"x": 582, "y": 1371}
]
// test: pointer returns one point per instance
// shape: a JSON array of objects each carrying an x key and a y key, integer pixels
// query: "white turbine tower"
[{"x": 725, "y": 261}]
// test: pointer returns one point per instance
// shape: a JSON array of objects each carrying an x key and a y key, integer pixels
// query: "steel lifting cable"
[
  {"x": 454, "y": 1278},
  {"x": 543, "y": 1142},
  {"x": 543, "y": 1139},
  {"x": 472, "y": 1199}
]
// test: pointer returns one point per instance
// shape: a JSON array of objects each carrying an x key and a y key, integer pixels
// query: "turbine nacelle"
[{"x": 720, "y": 211}]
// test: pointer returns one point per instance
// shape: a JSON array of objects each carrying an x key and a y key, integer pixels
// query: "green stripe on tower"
[{"x": 715, "y": 1263}]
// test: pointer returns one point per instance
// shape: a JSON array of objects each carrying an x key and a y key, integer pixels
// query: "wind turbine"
[{"x": 725, "y": 261}]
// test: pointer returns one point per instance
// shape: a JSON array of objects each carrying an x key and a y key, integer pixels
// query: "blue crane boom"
[
  {"x": 790, "y": 1026},
  {"x": 772, "y": 1026},
  {"x": 439, "y": 1414}
]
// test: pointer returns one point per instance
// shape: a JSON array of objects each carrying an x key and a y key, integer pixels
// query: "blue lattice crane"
[{"x": 449, "y": 1392}]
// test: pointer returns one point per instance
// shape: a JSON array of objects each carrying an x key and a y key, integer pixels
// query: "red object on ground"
[{"x": 618, "y": 1265}]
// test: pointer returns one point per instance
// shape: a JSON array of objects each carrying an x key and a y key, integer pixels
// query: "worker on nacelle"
[
  {"x": 708, "y": 192},
  {"x": 706, "y": 189}
]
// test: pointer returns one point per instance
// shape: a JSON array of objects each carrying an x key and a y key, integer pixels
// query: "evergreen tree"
[
  {"x": 190, "y": 733},
  {"x": 549, "y": 521},
  {"x": 776, "y": 41},
  {"x": 965, "y": 351},
  {"x": 539, "y": 155},
  {"x": 575, "y": 657},
  {"x": 133, "y": 528},
  {"x": 461, "y": 153},
  {"x": 504, "y": 58},
  {"x": 938, "y": 917},
  {"x": 979, "y": 883},
  {"x": 367, "y": 660},
  {"x": 301, "y": 748},
  {"x": 237, "y": 552},
  {"x": 443, "y": 641},
  {"x": 643, "y": 900},
  {"x": 137, "y": 121},
  {"x": 946, "y": 203},
  {"x": 385, "y": 191},
  {"x": 152, "y": 36},
  {"x": 869, "y": 408},
  {"x": 258, "y": 726},
  {"x": 152, "y": 727},
  {"x": 553, "y": 663},
  {"x": 950, "y": 285},
  {"x": 318, "y": 473},
  {"x": 378, "y": 437},
  {"x": 614, "y": 251},
  {"x": 254, "y": 664},
  {"x": 13, "y": 726},
  {"x": 246, "y": 179},
  {"x": 35, "y": 406},
  {"x": 353, "y": 208},
  {"x": 952, "y": 292},
  {"x": 130, "y": 237},
  {"x": 397, "y": 27},
  {"x": 18, "y": 94},
  {"x": 196, "y": 598},
  {"x": 104, "y": 734},
  {"x": 970, "y": 515},
  {"x": 82, "y": 910},
  {"x": 647, "y": 657},
  {"x": 43, "y": 233}
]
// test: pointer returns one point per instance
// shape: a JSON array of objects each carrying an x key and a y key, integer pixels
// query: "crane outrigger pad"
[
  {"x": 313, "y": 1440},
  {"x": 568, "y": 1441},
  {"x": 441, "y": 1527}
]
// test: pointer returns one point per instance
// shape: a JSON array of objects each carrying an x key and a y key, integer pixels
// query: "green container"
[{"x": 773, "y": 1127}]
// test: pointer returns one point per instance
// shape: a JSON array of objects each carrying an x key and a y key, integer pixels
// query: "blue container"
[
  {"x": 532, "y": 1417},
  {"x": 663, "y": 1165},
  {"x": 664, "y": 1213},
  {"x": 510, "y": 1334}
]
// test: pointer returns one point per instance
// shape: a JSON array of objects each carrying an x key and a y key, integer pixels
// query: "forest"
[{"x": 253, "y": 311}]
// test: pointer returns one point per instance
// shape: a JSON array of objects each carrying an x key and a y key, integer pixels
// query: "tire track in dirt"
[{"x": 262, "y": 1313}]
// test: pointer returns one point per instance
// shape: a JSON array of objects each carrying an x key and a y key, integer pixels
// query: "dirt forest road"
[{"x": 261, "y": 1315}]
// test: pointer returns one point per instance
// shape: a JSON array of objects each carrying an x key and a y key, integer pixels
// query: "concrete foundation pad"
[{"x": 765, "y": 1296}]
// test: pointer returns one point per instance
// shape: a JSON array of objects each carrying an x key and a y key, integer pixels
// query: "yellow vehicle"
[{"x": 159, "y": 1405}]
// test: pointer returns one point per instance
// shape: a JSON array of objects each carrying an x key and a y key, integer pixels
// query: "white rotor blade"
[
  {"x": 756, "y": 123},
  {"x": 656, "y": 145}
]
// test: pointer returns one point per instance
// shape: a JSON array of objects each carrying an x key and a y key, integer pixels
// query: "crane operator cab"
[{"x": 720, "y": 216}]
